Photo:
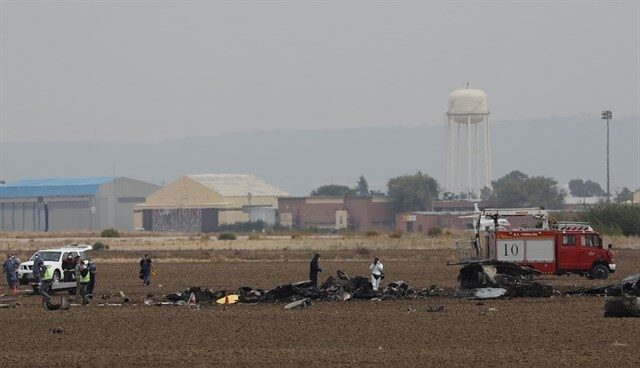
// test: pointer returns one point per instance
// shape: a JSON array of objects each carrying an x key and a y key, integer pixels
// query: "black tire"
[
  {"x": 599, "y": 271},
  {"x": 56, "y": 277}
]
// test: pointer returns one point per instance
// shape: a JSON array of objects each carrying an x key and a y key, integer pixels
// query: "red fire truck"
[{"x": 557, "y": 248}]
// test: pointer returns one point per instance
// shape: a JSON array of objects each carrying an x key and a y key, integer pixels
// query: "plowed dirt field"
[{"x": 559, "y": 331}]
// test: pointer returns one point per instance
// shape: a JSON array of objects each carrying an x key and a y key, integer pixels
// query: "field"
[{"x": 560, "y": 331}]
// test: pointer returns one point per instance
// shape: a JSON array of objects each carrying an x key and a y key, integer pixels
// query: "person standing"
[
  {"x": 45, "y": 283},
  {"x": 38, "y": 265},
  {"x": 16, "y": 267},
  {"x": 377, "y": 273},
  {"x": 92, "y": 277},
  {"x": 314, "y": 268},
  {"x": 80, "y": 266},
  {"x": 7, "y": 267},
  {"x": 83, "y": 282},
  {"x": 68, "y": 268},
  {"x": 145, "y": 269}
]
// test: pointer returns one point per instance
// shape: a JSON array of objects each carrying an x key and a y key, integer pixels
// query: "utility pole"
[{"x": 607, "y": 115}]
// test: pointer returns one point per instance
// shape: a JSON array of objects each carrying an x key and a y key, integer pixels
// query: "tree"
[
  {"x": 332, "y": 190},
  {"x": 614, "y": 218},
  {"x": 581, "y": 188},
  {"x": 362, "y": 187},
  {"x": 485, "y": 193},
  {"x": 517, "y": 189},
  {"x": 413, "y": 192},
  {"x": 624, "y": 195}
]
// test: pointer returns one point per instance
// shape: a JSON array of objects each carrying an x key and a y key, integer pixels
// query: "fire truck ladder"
[
  {"x": 538, "y": 213},
  {"x": 571, "y": 225}
]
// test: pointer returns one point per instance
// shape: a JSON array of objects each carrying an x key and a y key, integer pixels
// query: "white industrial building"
[{"x": 73, "y": 204}]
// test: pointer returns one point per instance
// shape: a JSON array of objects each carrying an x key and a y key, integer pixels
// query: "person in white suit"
[{"x": 377, "y": 273}]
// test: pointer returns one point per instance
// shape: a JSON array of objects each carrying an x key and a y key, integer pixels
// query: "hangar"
[
  {"x": 71, "y": 204},
  {"x": 201, "y": 203}
]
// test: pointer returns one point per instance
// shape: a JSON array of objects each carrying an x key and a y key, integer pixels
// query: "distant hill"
[{"x": 300, "y": 160}]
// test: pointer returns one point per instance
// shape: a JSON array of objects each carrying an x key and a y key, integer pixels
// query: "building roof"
[
  {"x": 238, "y": 185},
  {"x": 52, "y": 187}
]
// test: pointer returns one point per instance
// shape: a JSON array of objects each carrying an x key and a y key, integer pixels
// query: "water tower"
[{"x": 468, "y": 153}]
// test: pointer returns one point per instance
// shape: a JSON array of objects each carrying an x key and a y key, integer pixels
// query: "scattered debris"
[
  {"x": 481, "y": 293},
  {"x": 494, "y": 279},
  {"x": 299, "y": 304},
  {"x": 629, "y": 285},
  {"x": 622, "y": 306},
  {"x": 228, "y": 299},
  {"x": 485, "y": 311},
  {"x": 431, "y": 291},
  {"x": 435, "y": 308},
  {"x": 48, "y": 305}
]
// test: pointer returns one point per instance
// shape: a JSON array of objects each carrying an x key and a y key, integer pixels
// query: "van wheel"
[{"x": 599, "y": 271}]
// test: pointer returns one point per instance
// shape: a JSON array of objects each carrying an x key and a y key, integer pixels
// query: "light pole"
[{"x": 607, "y": 115}]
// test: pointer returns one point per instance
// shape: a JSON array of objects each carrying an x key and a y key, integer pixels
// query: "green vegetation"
[
  {"x": 517, "y": 189},
  {"x": 110, "y": 233},
  {"x": 396, "y": 235},
  {"x": 614, "y": 218},
  {"x": 434, "y": 231},
  {"x": 333, "y": 190},
  {"x": 227, "y": 236},
  {"x": 362, "y": 187},
  {"x": 413, "y": 192},
  {"x": 100, "y": 246},
  {"x": 581, "y": 188}
]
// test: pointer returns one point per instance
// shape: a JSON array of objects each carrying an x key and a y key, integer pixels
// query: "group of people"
[
  {"x": 376, "y": 268},
  {"x": 10, "y": 268},
  {"x": 74, "y": 269}
]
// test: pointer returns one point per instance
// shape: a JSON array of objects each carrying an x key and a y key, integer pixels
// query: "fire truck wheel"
[{"x": 599, "y": 271}]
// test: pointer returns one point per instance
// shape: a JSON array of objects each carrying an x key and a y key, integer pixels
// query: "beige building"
[
  {"x": 201, "y": 203},
  {"x": 636, "y": 196}
]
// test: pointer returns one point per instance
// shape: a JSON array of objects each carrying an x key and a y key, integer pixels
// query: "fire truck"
[{"x": 553, "y": 248}]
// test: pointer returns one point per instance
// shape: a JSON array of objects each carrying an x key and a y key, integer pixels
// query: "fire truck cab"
[{"x": 557, "y": 248}]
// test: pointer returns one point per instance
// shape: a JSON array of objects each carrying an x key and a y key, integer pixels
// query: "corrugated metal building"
[
  {"x": 71, "y": 204},
  {"x": 201, "y": 203}
]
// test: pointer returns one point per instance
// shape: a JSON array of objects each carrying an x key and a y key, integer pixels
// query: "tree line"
[{"x": 514, "y": 190}]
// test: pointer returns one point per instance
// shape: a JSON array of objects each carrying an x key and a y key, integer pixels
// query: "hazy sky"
[{"x": 148, "y": 71}]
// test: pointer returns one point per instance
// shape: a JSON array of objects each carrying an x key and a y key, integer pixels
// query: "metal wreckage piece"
[
  {"x": 49, "y": 305},
  {"x": 622, "y": 299},
  {"x": 494, "y": 279}
]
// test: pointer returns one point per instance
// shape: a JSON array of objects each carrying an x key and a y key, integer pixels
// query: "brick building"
[{"x": 354, "y": 213}]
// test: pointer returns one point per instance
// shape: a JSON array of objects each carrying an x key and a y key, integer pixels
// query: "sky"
[{"x": 148, "y": 71}]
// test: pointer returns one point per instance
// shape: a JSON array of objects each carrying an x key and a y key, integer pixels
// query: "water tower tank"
[{"x": 468, "y": 105}]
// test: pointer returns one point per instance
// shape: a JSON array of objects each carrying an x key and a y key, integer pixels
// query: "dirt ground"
[{"x": 559, "y": 331}]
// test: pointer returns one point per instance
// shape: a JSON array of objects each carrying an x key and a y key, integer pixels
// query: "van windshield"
[{"x": 47, "y": 256}]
